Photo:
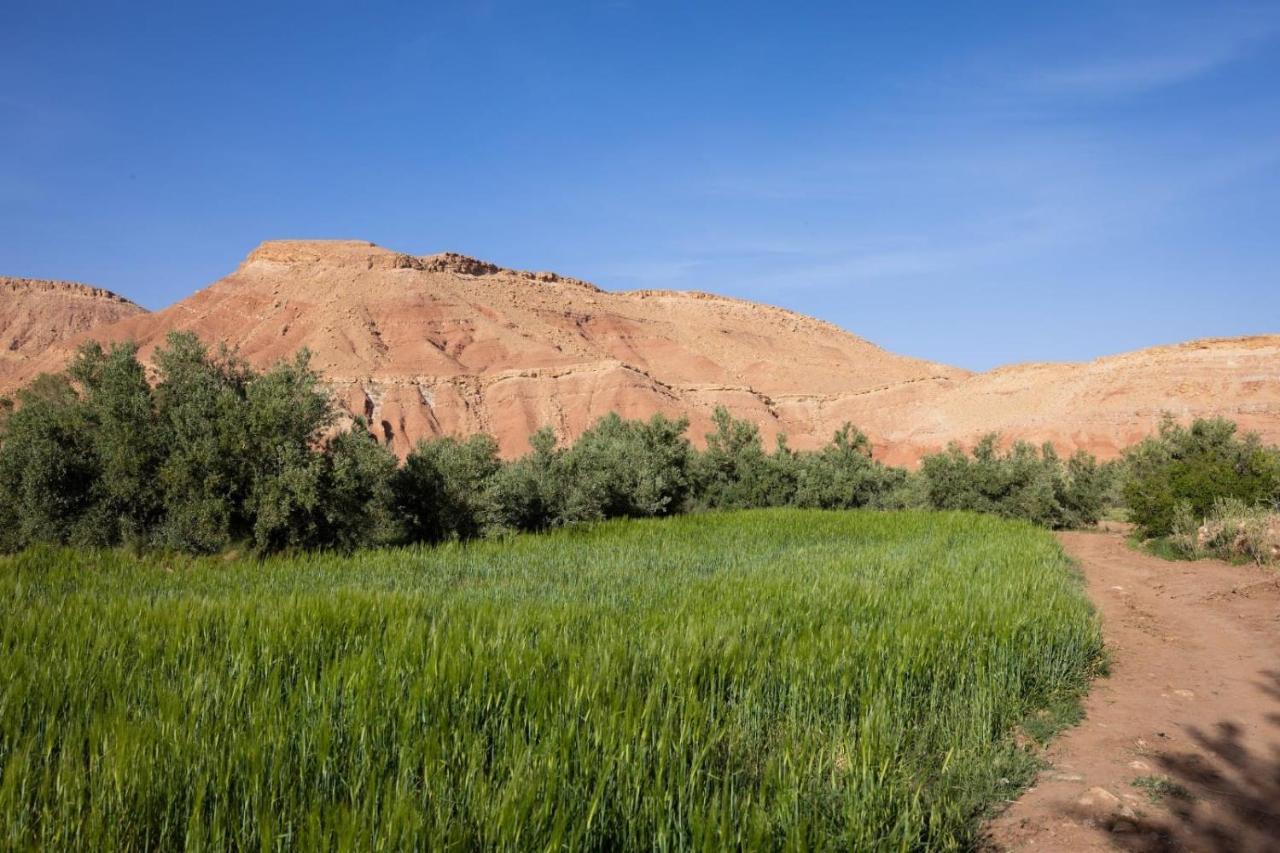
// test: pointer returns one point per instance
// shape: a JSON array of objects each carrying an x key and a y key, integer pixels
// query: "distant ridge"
[
  {"x": 444, "y": 343},
  {"x": 39, "y": 314}
]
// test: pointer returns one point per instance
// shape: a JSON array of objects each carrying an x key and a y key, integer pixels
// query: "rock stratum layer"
[
  {"x": 446, "y": 344},
  {"x": 36, "y": 315}
]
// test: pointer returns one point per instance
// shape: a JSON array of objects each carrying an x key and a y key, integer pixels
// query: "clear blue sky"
[{"x": 973, "y": 183}]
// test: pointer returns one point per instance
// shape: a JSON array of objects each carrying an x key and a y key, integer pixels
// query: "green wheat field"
[{"x": 765, "y": 679}]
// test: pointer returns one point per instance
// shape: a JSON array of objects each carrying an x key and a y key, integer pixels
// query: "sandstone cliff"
[
  {"x": 36, "y": 315},
  {"x": 444, "y": 344}
]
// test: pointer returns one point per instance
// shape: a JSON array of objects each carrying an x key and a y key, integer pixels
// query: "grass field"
[{"x": 763, "y": 679}]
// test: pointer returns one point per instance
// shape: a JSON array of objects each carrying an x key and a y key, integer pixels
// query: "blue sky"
[{"x": 972, "y": 183}]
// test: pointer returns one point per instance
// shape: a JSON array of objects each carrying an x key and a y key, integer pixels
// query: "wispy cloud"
[
  {"x": 1179, "y": 59},
  {"x": 1054, "y": 200}
]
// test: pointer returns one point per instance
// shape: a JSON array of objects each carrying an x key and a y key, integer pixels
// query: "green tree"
[
  {"x": 357, "y": 503},
  {"x": 287, "y": 413},
  {"x": 443, "y": 489},
  {"x": 48, "y": 470},
  {"x": 124, "y": 434},
  {"x": 1194, "y": 467},
  {"x": 529, "y": 494},
  {"x": 627, "y": 468},
  {"x": 201, "y": 414},
  {"x": 734, "y": 472},
  {"x": 215, "y": 453},
  {"x": 1085, "y": 491},
  {"x": 843, "y": 475},
  {"x": 1023, "y": 483}
]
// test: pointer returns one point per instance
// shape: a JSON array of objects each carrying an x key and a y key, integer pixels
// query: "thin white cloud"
[
  {"x": 1183, "y": 59},
  {"x": 1063, "y": 200}
]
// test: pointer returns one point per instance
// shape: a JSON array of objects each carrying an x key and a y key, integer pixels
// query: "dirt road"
[{"x": 1191, "y": 711}]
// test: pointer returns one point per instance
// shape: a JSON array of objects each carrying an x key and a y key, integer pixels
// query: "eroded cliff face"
[
  {"x": 37, "y": 315},
  {"x": 441, "y": 344},
  {"x": 1103, "y": 405}
]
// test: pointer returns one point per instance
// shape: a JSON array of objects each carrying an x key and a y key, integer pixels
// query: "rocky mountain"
[
  {"x": 444, "y": 343},
  {"x": 1101, "y": 406},
  {"x": 36, "y": 315}
]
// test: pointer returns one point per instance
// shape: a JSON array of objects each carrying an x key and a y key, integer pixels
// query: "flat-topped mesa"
[
  {"x": 326, "y": 253},
  {"x": 362, "y": 254},
  {"x": 445, "y": 344},
  {"x": 33, "y": 286}
]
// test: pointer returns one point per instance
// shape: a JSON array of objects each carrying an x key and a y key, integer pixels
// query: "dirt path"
[{"x": 1193, "y": 698}]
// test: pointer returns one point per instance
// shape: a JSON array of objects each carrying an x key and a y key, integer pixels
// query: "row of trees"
[{"x": 211, "y": 453}]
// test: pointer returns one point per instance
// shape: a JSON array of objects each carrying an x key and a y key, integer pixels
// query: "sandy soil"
[{"x": 1193, "y": 697}]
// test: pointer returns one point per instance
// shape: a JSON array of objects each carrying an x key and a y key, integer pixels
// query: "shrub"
[
  {"x": 627, "y": 469},
  {"x": 1085, "y": 490},
  {"x": 48, "y": 470},
  {"x": 843, "y": 475},
  {"x": 286, "y": 414},
  {"x": 528, "y": 494},
  {"x": 443, "y": 490},
  {"x": 122, "y": 429},
  {"x": 1022, "y": 483},
  {"x": 204, "y": 477},
  {"x": 357, "y": 503},
  {"x": 217, "y": 453},
  {"x": 1196, "y": 466},
  {"x": 214, "y": 453},
  {"x": 1232, "y": 530},
  {"x": 734, "y": 472}
]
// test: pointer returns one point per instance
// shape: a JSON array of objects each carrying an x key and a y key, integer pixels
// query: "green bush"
[
  {"x": 357, "y": 506},
  {"x": 204, "y": 478},
  {"x": 627, "y": 469},
  {"x": 127, "y": 446},
  {"x": 48, "y": 470},
  {"x": 735, "y": 472},
  {"x": 217, "y": 453},
  {"x": 214, "y": 453},
  {"x": 529, "y": 493},
  {"x": 1233, "y": 529},
  {"x": 1023, "y": 483},
  {"x": 843, "y": 475},
  {"x": 444, "y": 489},
  {"x": 1196, "y": 466}
]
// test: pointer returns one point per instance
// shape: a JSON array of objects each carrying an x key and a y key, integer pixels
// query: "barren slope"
[
  {"x": 447, "y": 344},
  {"x": 1104, "y": 405},
  {"x": 36, "y": 315}
]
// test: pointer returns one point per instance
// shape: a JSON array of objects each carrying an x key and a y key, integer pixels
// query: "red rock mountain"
[
  {"x": 36, "y": 315},
  {"x": 447, "y": 344}
]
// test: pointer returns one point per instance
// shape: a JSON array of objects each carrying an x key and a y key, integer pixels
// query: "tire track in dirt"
[{"x": 1193, "y": 699}]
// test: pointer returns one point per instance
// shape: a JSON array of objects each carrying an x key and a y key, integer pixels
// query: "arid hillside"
[
  {"x": 1101, "y": 406},
  {"x": 36, "y": 315},
  {"x": 445, "y": 344}
]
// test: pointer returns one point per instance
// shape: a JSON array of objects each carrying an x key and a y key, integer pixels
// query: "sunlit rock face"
[{"x": 445, "y": 344}]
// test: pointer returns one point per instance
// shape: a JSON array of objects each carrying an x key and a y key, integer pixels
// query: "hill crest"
[{"x": 445, "y": 343}]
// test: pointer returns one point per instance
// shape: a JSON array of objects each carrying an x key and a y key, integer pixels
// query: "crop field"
[{"x": 766, "y": 679}]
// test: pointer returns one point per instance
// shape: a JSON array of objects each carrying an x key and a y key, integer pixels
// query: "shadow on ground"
[{"x": 1225, "y": 797}]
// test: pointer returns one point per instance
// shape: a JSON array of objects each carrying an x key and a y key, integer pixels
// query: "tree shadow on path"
[{"x": 1223, "y": 797}]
